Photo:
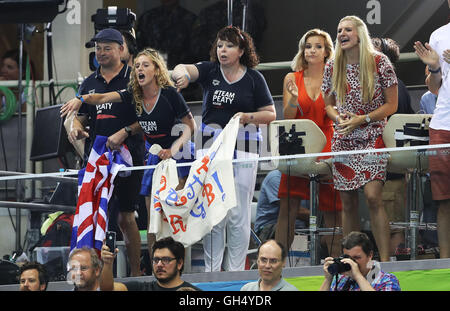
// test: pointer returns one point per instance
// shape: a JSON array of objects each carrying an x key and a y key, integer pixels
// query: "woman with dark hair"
[
  {"x": 10, "y": 65},
  {"x": 9, "y": 70},
  {"x": 231, "y": 88},
  {"x": 160, "y": 111}
]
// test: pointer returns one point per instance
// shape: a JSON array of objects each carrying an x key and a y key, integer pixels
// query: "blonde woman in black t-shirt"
[{"x": 159, "y": 109}]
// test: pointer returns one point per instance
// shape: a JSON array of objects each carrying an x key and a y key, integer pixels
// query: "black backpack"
[{"x": 59, "y": 233}]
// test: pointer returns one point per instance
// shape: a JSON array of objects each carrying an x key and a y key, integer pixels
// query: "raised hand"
[
  {"x": 292, "y": 87},
  {"x": 426, "y": 53}
]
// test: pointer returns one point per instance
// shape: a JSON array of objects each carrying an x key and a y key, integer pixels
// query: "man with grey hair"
[
  {"x": 84, "y": 268},
  {"x": 271, "y": 260}
]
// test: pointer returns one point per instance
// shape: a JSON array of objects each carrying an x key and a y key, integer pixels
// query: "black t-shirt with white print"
[{"x": 158, "y": 124}]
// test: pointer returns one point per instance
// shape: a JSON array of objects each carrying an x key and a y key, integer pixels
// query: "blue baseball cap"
[{"x": 108, "y": 35}]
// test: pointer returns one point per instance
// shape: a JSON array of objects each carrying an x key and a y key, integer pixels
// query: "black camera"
[
  {"x": 338, "y": 266},
  {"x": 121, "y": 19},
  {"x": 290, "y": 142}
]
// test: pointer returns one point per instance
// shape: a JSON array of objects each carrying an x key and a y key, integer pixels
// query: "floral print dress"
[{"x": 351, "y": 172}]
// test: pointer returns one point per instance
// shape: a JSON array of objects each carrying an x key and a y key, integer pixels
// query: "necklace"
[{"x": 151, "y": 99}]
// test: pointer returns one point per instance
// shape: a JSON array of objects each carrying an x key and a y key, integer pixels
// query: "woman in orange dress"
[{"x": 302, "y": 99}]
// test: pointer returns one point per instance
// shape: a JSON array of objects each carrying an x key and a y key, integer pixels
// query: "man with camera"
[{"x": 355, "y": 270}]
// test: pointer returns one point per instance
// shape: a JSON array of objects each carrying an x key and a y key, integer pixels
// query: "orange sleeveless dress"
[{"x": 299, "y": 187}]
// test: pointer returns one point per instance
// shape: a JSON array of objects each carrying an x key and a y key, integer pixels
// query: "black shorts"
[{"x": 126, "y": 192}]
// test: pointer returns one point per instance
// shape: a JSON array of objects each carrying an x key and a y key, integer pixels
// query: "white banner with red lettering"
[{"x": 190, "y": 213}]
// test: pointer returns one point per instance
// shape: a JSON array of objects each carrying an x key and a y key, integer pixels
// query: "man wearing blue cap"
[{"x": 113, "y": 120}]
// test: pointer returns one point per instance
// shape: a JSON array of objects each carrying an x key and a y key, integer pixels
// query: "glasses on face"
[
  {"x": 164, "y": 260},
  {"x": 79, "y": 268},
  {"x": 271, "y": 261}
]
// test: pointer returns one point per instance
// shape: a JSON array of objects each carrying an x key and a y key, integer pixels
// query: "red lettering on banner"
[
  {"x": 181, "y": 201},
  {"x": 163, "y": 181},
  {"x": 205, "y": 161},
  {"x": 174, "y": 220},
  {"x": 157, "y": 205},
  {"x": 208, "y": 192}
]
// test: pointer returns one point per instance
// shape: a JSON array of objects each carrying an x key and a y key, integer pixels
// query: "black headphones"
[{"x": 384, "y": 47}]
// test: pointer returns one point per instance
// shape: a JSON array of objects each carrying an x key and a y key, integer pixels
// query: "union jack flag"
[{"x": 95, "y": 187}]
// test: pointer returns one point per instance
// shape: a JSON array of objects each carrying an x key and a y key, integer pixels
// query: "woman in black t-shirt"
[{"x": 231, "y": 88}]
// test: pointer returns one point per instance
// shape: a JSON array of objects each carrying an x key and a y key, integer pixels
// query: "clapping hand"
[{"x": 426, "y": 53}]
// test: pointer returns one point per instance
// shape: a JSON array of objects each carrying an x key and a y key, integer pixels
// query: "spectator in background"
[
  {"x": 271, "y": 260},
  {"x": 394, "y": 189},
  {"x": 168, "y": 263},
  {"x": 33, "y": 277},
  {"x": 10, "y": 65},
  {"x": 84, "y": 269},
  {"x": 167, "y": 29},
  {"x": 428, "y": 100},
  {"x": 302, "y": 99},
  {"x": 435, "y": 55},
  {"x": 130, "y": 49},
  {"x": 9, "y": 70},
  {"x": 212, "y": 18},
  {"x": 360, "y": 92},
  {"x": 391, "y": 49},
  {"x": 268, "y": 208}
]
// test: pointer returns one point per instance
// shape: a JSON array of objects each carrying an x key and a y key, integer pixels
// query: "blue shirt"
[
  {"x": 268, "y": 205},
  {"x": 428, "y": 103},
  {"x": 268, "y": 202}
]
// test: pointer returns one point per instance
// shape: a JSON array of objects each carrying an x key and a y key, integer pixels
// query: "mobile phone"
[{"x": 111, "y": 240}]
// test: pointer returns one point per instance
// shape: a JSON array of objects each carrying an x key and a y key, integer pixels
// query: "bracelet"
[
  {"x": 434, "y": 71},
  {"x": 187, "y": 76},
  {"x": 337, "y": 117},
  {"x": 80, "y": 97}
]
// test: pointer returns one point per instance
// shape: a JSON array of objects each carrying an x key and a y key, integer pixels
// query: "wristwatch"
[
  {"x": 80, "y": 97},
  {"x": 128, "y": 130},
  {"x": 367, "y": 118}
]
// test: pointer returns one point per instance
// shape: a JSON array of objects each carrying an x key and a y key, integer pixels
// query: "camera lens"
[
  {"x": 338, "y": 266},
  {"x": 333, "y": 269}
]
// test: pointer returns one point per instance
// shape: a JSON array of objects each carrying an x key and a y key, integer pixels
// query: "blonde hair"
[
  {"x": 366, "y": 62},
  {"x": 162, "y": 76},
  {"x": 299, "y": 62}
]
